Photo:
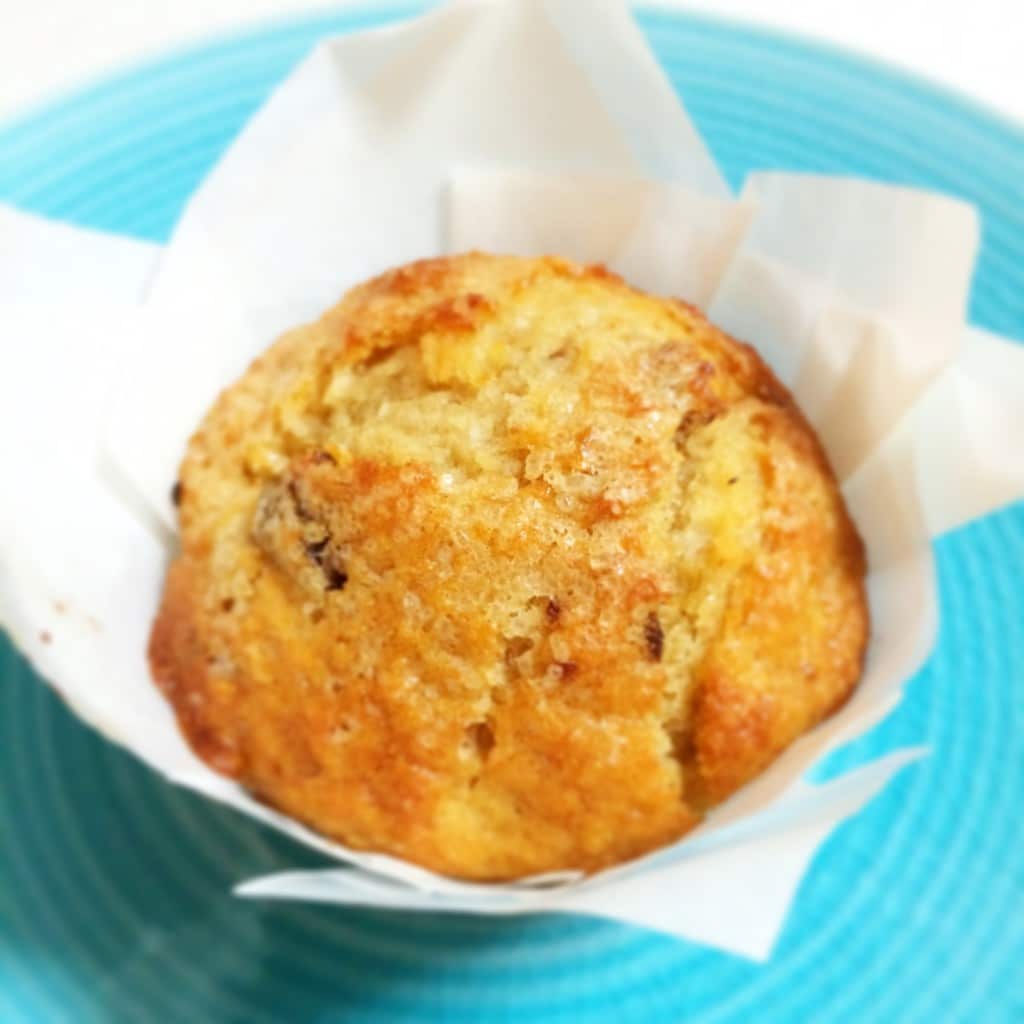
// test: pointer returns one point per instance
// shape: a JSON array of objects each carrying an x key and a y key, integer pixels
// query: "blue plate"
[{"x": 114, "y": 900}]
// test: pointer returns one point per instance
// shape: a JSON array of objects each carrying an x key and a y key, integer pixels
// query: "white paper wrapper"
[{"x": 508, "y": 126}]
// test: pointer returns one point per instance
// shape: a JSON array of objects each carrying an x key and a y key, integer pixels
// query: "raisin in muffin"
[{"x": 503, "y": 566}]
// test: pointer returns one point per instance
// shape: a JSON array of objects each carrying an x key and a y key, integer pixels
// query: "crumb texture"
[{"x": 502, "y": 567}]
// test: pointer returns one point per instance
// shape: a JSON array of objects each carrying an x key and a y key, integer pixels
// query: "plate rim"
[{"x": 379, "y": 13}]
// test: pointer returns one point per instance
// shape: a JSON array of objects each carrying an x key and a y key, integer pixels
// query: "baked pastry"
[{"x": 503, "y": 566}]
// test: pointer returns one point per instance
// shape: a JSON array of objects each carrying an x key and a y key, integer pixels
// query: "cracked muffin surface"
[{"x": 502, "y": 567}]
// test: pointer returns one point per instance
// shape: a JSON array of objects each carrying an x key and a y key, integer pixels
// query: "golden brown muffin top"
[{"x": 503, "y": 566}]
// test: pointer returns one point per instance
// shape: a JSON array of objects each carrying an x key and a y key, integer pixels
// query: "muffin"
[{"x": 503, "y": 566}]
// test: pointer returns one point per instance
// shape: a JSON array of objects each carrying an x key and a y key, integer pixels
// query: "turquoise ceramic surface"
[{"x": 114, "y": 887}]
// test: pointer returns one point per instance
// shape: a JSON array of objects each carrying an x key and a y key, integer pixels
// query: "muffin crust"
[{"x": 503, "y": 566}]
